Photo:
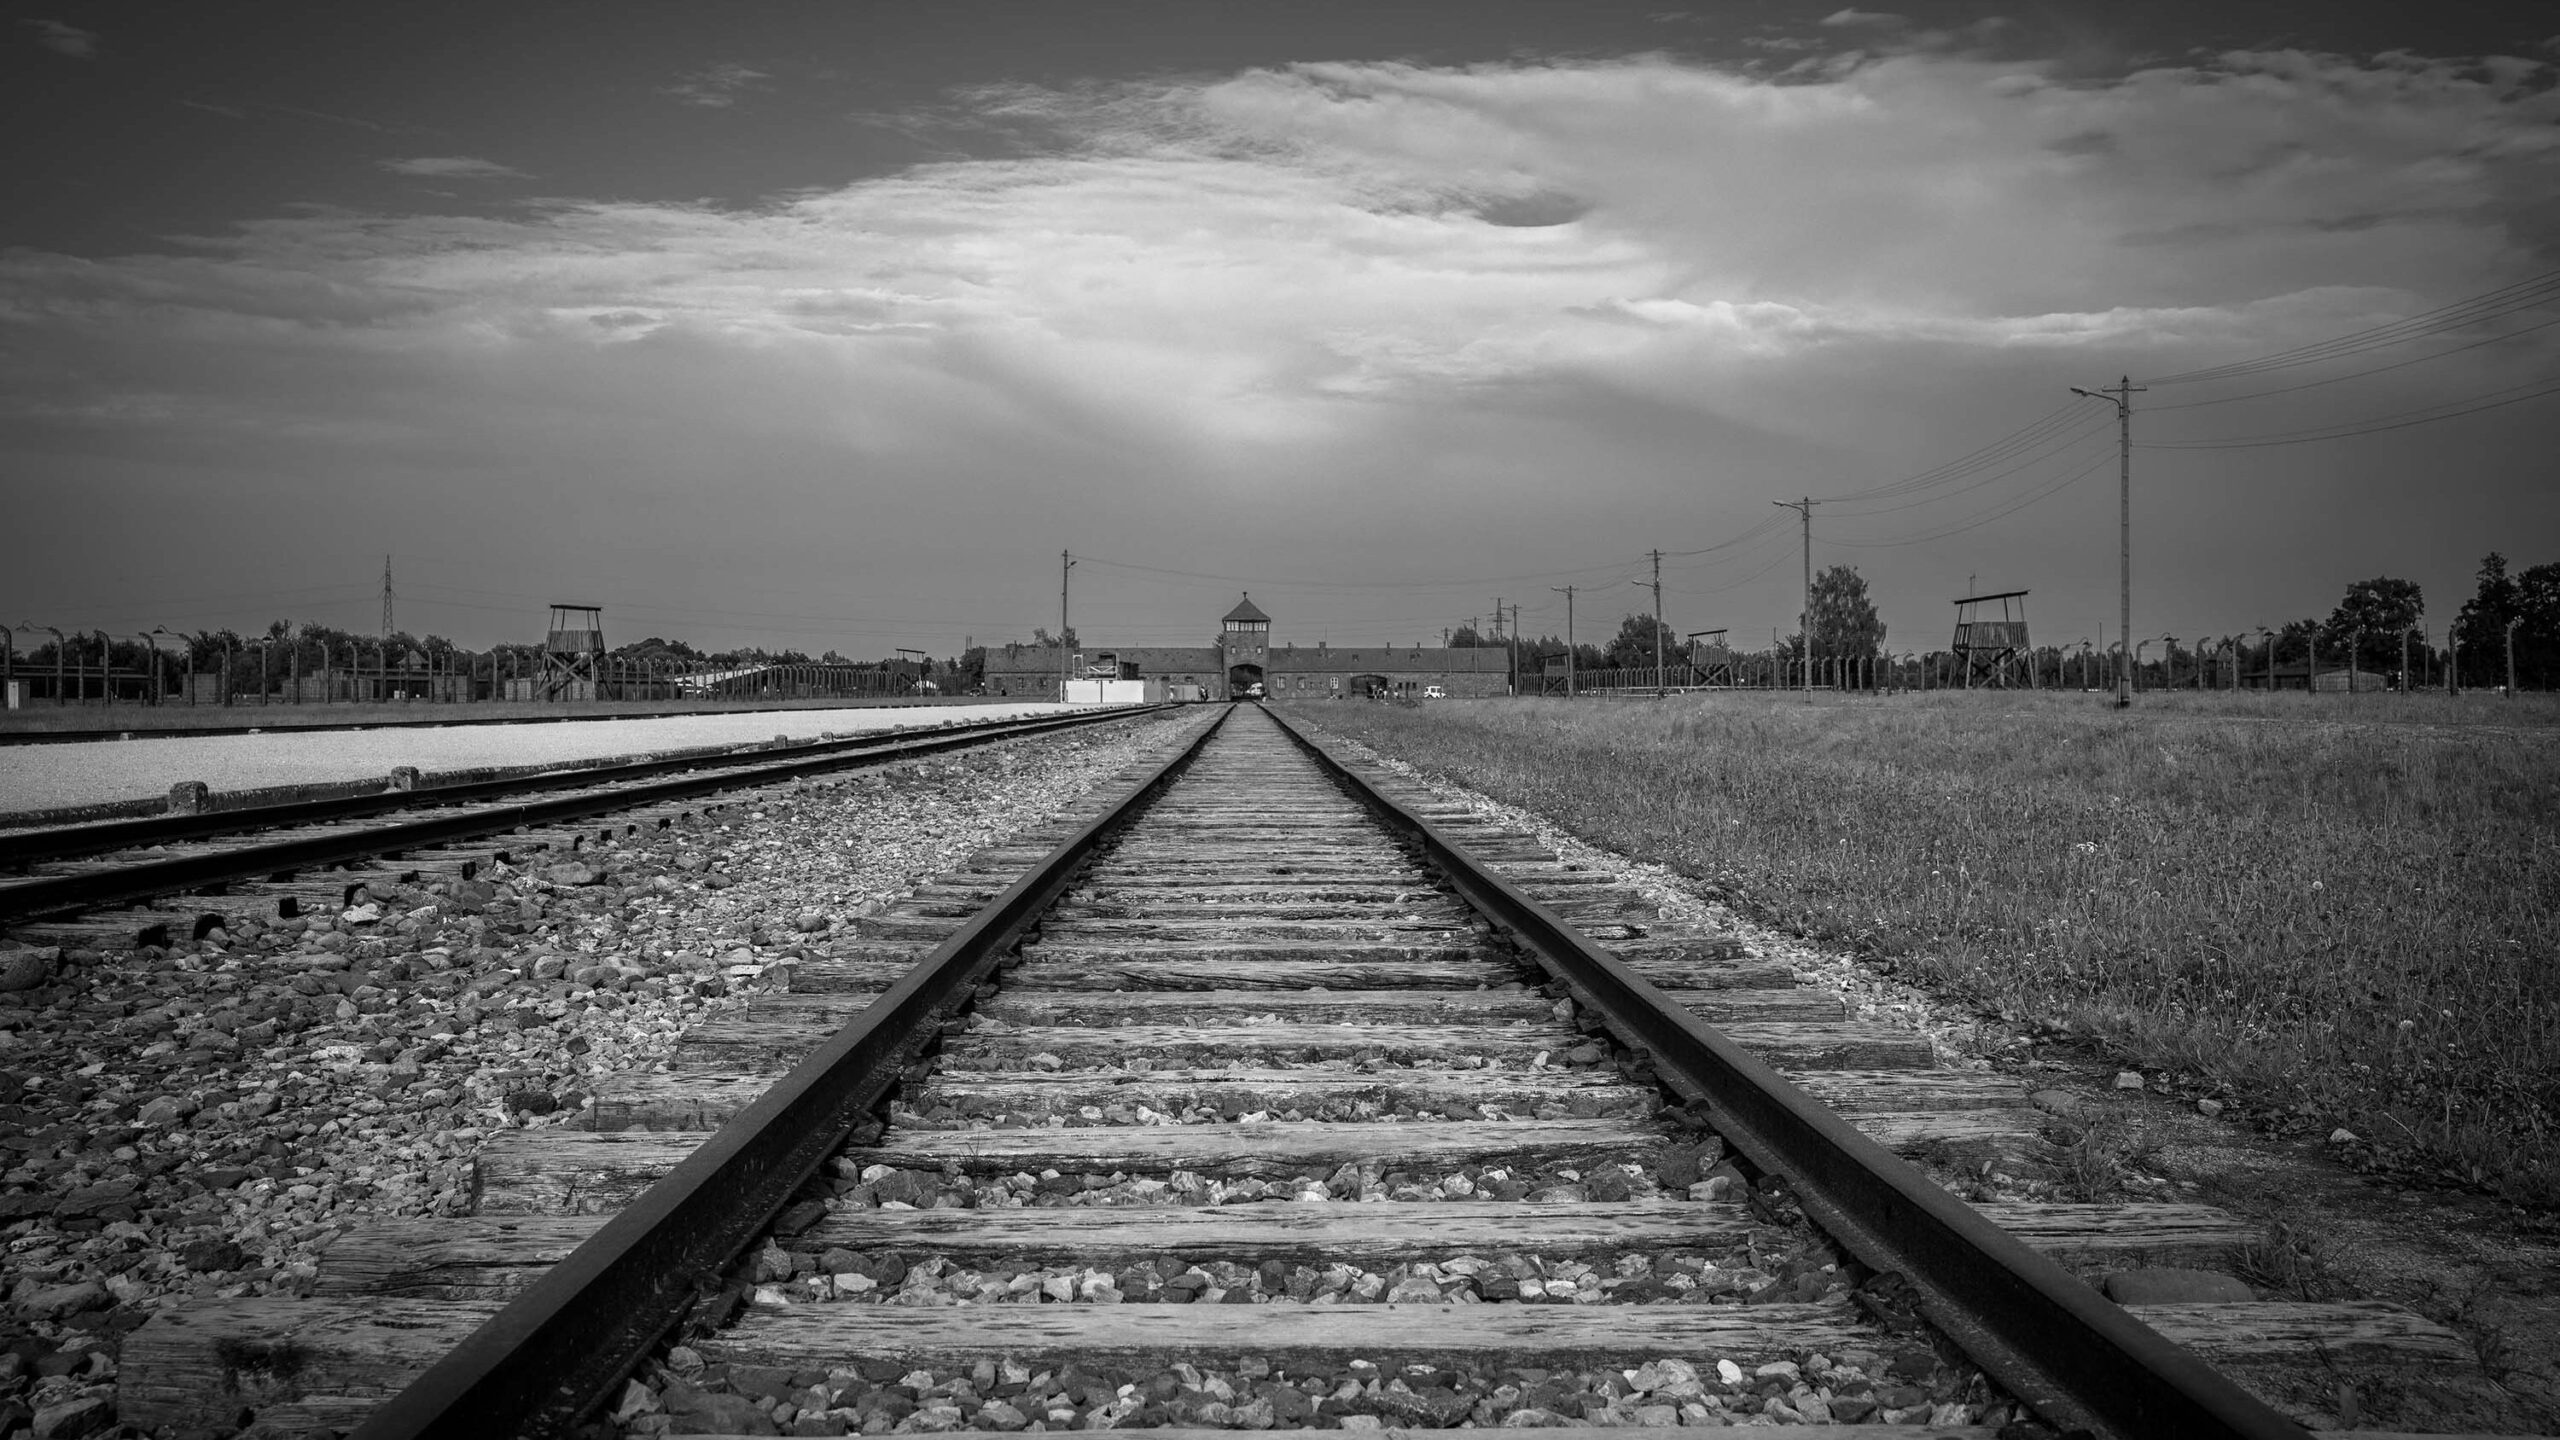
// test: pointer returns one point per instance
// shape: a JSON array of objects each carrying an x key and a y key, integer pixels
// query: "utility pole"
[
  {"x": 2122, "y": 398},
  {"x": 1656, "y": 584},
  {"x": 1066, "y": 563},
  {"x": 1804, "y": 619},
  {"x": 1660, "y": 632},
  {"x": 386, "y": 597},
  {"x": 2512, "y": 623},
  {"x": 1513, "y": 655},
  {"x": 1567, "y": 592}
]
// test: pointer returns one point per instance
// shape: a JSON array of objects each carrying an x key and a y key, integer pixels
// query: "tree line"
[
  {"x": 284, "y": 648},
  {"x": 2367, "y": 626}
]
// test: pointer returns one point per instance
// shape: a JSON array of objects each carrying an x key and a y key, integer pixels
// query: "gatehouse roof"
[{"x": 1246, "y": 612}]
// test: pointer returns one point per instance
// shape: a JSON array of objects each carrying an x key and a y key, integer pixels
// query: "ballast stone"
[{"x": 25, "y": 968}]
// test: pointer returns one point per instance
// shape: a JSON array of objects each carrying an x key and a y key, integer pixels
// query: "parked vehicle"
[{"x": 1434, "y": 692}]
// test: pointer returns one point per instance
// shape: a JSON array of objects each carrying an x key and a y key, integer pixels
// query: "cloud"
[
  {"x": 1392, "y": 291},
  {"x": 1263, "y": 241},
  {"x": 64, "y": 39},
  {"x": 1839, "y": 19},
  {"x": 454, "y": 167},
  {"x": 715, "y": 86}
]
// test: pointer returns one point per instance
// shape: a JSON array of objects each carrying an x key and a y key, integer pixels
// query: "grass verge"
[{"x": 2336, "y": 920}]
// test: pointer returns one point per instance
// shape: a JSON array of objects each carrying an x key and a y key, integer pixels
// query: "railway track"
[
  {"x": 1260, "y": 1095},
  {"x": 316, "y": 718},
  {"x": 190, "y": 873}
]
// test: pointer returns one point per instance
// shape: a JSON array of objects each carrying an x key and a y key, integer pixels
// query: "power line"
[
  {"x": 284, "y": 596},
  {"x": 700, "y": 614},
  {"x": 1745, "y": 538},
  {"x": 2360, "y": 374},
  {"x": 2424, "y": 415},
  {"x": 2046, "y": 427},
  {"x": 2522, "y": 295},
  {"x": 1767, "y": 531},
  {"x": 2096, "y": 426},
  {"x": 1986, "y": 517},
  {"x": 1315, "y": 583},
  {"x": 1774, "y": 561}
]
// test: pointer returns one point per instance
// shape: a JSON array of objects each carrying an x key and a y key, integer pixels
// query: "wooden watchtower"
[
  {"x": 1710, "y": 658},
  {"x": 1555, "y": 674},
  {"x": 573, "y": 653},
  {"x": 1990, "y": 642}
]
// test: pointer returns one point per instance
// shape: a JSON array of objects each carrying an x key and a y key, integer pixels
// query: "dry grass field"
[{"x": 2340, "y": 910}]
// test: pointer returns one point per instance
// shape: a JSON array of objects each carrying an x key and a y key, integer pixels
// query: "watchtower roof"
[{"x": 1247, "y": 613}]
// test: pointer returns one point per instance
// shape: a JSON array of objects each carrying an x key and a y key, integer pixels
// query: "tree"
[
  {"x": 2538, "y": 638},
  {"x": 2481, "y": 627},
  {"x": 1465, "y": 637},
  {"x": 2371, "y": 620},
  {"x": 1633, "y": 646},
  {"x": 1845, "y": 623},
  {"x": 2300, "y": 640},
  {"x": 1536, "y": 655},
  {"x": 656, "y": 651},
  {"x": 2530, "y": 600},
  {"x": 1041, "y": 637}
]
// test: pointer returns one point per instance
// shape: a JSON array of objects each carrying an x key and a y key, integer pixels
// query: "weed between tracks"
[{"x": 2334, "y": 917}]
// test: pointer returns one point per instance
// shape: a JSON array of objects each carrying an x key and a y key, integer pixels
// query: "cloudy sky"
[{"x": 833, "y": 325}]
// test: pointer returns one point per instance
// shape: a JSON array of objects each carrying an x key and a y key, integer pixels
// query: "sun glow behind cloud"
[{"x": 1296, "y": 283}]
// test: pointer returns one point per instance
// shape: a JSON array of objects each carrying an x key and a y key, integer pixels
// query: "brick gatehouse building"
[{"x": 1244, "y": 657}]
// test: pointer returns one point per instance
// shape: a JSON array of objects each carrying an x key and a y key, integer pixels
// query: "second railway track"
[
  {"x": 191, "y": 873},
  {"x": 1264, "y": 1095}
]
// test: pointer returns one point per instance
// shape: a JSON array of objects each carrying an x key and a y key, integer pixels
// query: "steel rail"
[
  {"x": 67, "y": 841},
  {"x": 540, "y": 1365},
  {"x": 283, "y": 725},
  {"x": 50, "y": 895},
  {"x": 2079, "y": 1360}
]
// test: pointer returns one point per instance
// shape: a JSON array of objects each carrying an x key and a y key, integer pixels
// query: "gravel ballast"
[
  {"x": 201, "y": 1122},
  {"x": 44, "y": 777}
]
